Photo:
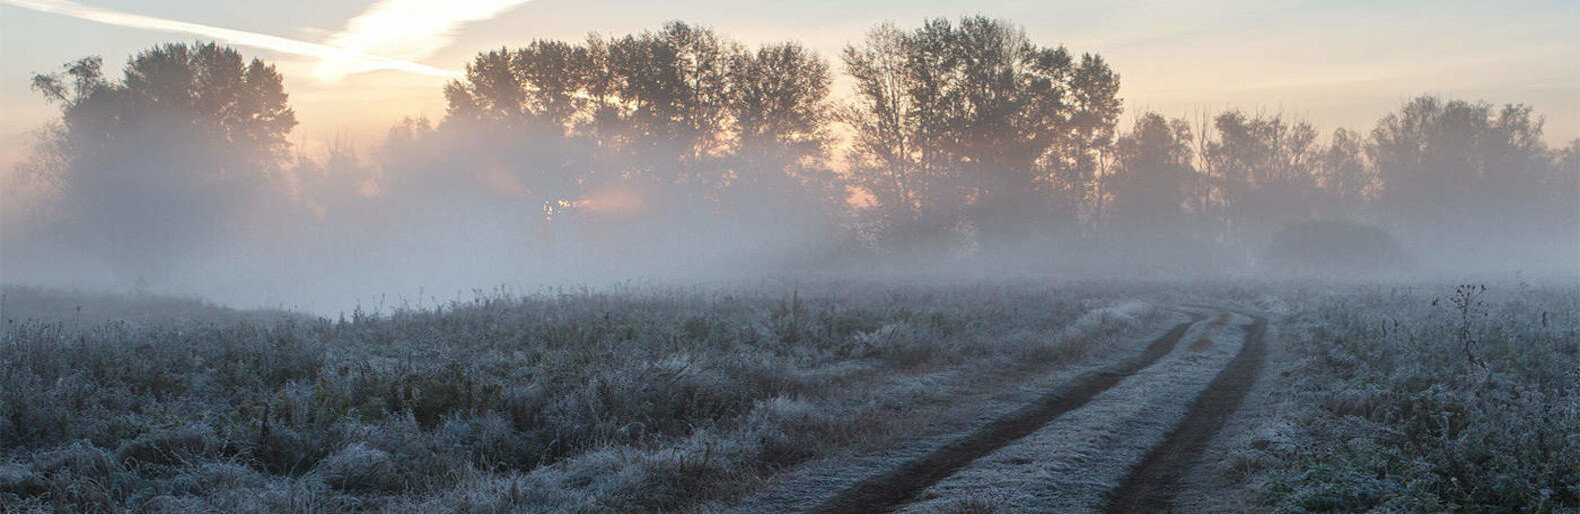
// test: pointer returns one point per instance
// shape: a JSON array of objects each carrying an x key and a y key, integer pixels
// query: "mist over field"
[
  {"x": 948, "y": 269},
  {"x": 955, "y": 148}
]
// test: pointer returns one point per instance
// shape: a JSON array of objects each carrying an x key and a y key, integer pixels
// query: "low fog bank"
[
  {"x": 330, "y": 273},
  {"x": 678, "y": 156}
]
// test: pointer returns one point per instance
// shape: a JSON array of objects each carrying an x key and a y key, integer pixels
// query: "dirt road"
[
  {"x": 885, "y": 492},
  {"x": 1150, "y": 485},
  {"x": 1113, "y": 438}
]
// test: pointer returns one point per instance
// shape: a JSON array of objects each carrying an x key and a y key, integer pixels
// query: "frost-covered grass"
[
  {"x": 651, "y": 398},
  {"x": 629, "y": 399},
  {"x": 1405, "y": 400}
]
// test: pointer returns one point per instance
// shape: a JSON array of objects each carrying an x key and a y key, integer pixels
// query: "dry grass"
[{"x": 630, "y": 399}]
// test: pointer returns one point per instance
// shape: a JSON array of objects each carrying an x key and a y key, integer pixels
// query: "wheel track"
[
  {"x": 1151, "y": 484},
  {"x": 886, "y": 491}
]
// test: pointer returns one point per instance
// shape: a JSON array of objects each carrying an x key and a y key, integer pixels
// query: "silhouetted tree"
[
  {"x": 688, "y": 121},
  {"x": 971, "y": 124},
  {"x": 1094, "y": 96},
  {"x": 1151, "y": 175},
  {"x": 887, "y": 158},
  {"x": 168, "y": 154},
  {"x": 1262, "y": 170},
  {"x": 1465, "y": 173},
  {"x": 1344, "y": 176},
  {"x": 778, "y": 99},
  {"x": 336, "y": 184}
]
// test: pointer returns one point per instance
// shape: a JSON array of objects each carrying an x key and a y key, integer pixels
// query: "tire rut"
[
  {"x": 1151, "y": 485},
  {"x": 887, "y": 491}
]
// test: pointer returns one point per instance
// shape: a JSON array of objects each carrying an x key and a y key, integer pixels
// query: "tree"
[
  {"x": 972, "y": 124},
  {"x": 886, "y": 158},
  {"x": 1460, "y": 174},
  {"x": 1345, "y": 177},
  {"x": 1152, "y": 173},
  {"x": 168, "y": 155},
  {"x": 778, "y": 100},
  {"x": 684, "y": 118},
  {"x": 674, "y": 86},
  {"x": 1096, "y": 108},
  {"x": 1262, "y": 169}
]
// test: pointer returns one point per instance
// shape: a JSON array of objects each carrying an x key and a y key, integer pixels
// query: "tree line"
[{"x": 956, "y": 133}]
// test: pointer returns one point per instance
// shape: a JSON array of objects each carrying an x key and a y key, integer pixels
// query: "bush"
[
  {"x": 20, "y": 480},
  {"x": 170, "y": 447},
  {"x": 360, "y": 468},
  {"x": 1323, "y": 248}
]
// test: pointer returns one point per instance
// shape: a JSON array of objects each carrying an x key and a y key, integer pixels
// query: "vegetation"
[
  {"x": 958, "y": 136},
  {"x": 174, "y": 152},
  {"x": 963, "y": 144},
  {"x": 639, "y": 399},
  {"x": 1335, "y": 248},
  {"x": 1400, "y": 398},
  {"x": 973, "y": 124},
  {"x": 1425, "y": 399}
]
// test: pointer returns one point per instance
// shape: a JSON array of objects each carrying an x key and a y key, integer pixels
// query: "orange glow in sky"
[{"x": 356, "y": 67}]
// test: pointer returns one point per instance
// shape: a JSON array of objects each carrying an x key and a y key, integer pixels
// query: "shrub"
[
  {"x": 359, "y": 467},
  {"x": 20, "y": 480},
  {"x": 1323, "y": 248},
  {"x": 170, "y": 447}
]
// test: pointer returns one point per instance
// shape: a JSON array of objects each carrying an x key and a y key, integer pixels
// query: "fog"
[{"x": 953, "y": 149}]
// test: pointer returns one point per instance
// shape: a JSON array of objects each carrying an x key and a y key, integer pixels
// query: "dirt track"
[
  {"x": 886, "y": 491},
  {"x": 1150, "y": 486}
]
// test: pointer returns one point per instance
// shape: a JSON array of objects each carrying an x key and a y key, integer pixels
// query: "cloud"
[
  {"x": 355, "y": 59},
  {"x": 405, "y": 29}
]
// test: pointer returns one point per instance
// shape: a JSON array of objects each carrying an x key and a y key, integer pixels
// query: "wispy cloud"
[
  {"x": 406, "y": 29},
  {"x": 356, "y": 59}
]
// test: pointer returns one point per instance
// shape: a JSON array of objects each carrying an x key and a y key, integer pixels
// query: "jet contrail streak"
[
  {"x": 365, "y": 62},
  {"x": 407, "y": 29}
]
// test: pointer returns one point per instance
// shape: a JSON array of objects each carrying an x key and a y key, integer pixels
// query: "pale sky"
[{"x": 1334, "y": 63}]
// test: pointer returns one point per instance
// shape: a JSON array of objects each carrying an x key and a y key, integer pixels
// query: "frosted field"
[{"x": 774, "y": 398}]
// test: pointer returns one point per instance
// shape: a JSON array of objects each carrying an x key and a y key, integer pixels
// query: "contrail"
[
  {"x": 362, "y": 61},
  {"x": 406, "y": 29}
]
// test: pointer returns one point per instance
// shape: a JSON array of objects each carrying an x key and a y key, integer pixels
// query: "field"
[{"x": 833, "y": 397}]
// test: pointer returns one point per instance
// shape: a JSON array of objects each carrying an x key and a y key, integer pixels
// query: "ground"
[{"x": 835, "y": 397}]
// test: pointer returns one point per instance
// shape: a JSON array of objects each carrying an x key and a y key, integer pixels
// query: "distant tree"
[
  {"x": 165, "y": 157},
  {"x": 1263, "y": 170},
  {"x": 509, "y": 120},
  {"x": 1333, "y": 248},
  {"x": 1344, "y": 176},
  {"x": 1096, "y": 108},
  {"x": 1563, "y": 192},
  {"x": 692, "y": 122},
  {"x": 778, "y": 99},
  {"x": 493, "y": 92},
  {"x": 971, "y": 123},
  {"x": 673, "y": 86},
  {"x": 335, "y": 184},
  {"x": 1459, "y": 172},
  {"x": 887, "y": 158},
  {"x": 1152, "y": 173}
]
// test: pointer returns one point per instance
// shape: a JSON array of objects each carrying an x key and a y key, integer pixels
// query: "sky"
[{"x": 354, "y": 68}]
